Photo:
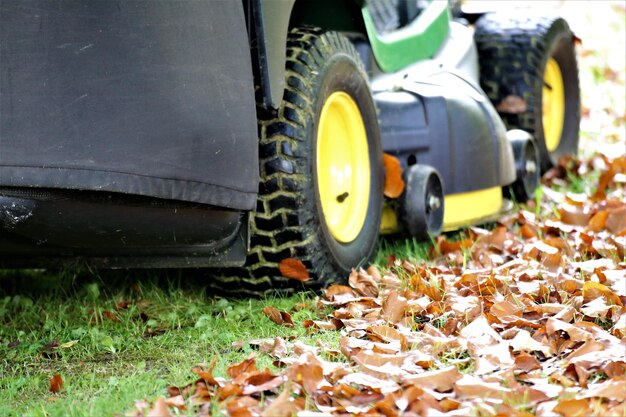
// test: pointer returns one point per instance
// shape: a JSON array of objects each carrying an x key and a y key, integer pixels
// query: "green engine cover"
[{"x": 418, "y": 40}]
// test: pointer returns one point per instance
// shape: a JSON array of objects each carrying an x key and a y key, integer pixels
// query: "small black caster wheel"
[
  {"x": 527, "y": 166},
  {"x": 421, "y": 205}
]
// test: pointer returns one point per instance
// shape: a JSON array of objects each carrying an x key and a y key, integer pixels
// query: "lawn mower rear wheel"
[{"x": 529, "y": 71}]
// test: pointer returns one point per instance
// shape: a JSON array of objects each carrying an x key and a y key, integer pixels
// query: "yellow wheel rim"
[
  {"x": 343, "y": 167},
  {"x": 553, "y": 106}
]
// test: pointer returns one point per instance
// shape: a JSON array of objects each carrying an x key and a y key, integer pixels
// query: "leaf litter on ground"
[{"x": 525, "y": 319}]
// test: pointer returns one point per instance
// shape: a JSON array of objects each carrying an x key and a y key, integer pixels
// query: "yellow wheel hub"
[
  {"x": 343, "y": 167},
  {"x": 553, "y": 107}
]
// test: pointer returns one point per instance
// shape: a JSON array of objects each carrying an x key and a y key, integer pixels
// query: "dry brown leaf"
[
  {"x": 160, "y": 409},
  {"x": 441, "y": 380},
  {"x": 56, "y": 383},
  {"x": 293, "y": 269},
  {"x": 282, "y": 406},
  {"x": 593, "y": 290},
  {"x": 573, "y": 408},
  {"x": 308, "y": 372},
  {"x": 279, "y": 317},
  {"x": 363, "y": 283},
  {"x": 207, "y": 375},
  {"x": 613, "y": 389},
  {"x": 598, "y": 221},
  {"x": 526, "y": 362},
  {"x": 260, "y": 382},
  {"x": 394, "y": 306},
  {"x": 394, "y": 184},
  {"x": 242, "y": 407},
  {"x": 336, "y": 289},
  {"x": 523, "y": 342},
  {"x": 248, "y": 365},
  {"x": 471, "y": 386},
  {"x": 616, "y": 221},
  {"x": 512, "y": 104},
  {"x": 387, "y": 334}
]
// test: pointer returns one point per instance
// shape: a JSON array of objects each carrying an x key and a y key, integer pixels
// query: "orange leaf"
[
  {"x": 160, "y": 409},
  {"x": 247, "y": 365},
  {"x": 573, "y": 408},
  {"x": 598, "y": 221},
  {"x": 294, "y": 269},
  {"x": 277, "y": 316},
  {"x": 616, "y": 221},
  {"x": 56, "y": 382},
  {"x": 394, "y": 184},
  {"x": 593, "y": 290},
  {"x": 363, "y": 283},
  {"x": 207, "y": 375},
  {"x": 527, "y": 231}
]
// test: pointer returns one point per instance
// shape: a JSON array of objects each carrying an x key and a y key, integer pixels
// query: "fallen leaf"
[
  {"x": 248, "y": 365},
  {"x": 512, "y": 104},
  {"x": 593, "y": 290},
  {"x": 613, "y": 389},
  {"x": 56, "y": 383},
  {"x": 394, "y": 184},
  {"x": 441, "y": 380},
  {"x": 277, "y": 316},
  {"x": 282, "y": 406},
  {"x": 573, "y": 408},
  {"x": 363, "y": 283},
  {"x": 394, "y": 306},
  {"x": 293, "y": 269},
  {"x": 160, "y": 409},
  {"x": 207, "y": 375}
]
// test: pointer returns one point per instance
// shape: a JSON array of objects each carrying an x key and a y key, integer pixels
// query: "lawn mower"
[{"x": 233, "y": 135}]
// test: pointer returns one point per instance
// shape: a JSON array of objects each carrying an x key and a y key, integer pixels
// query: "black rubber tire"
[
  {"x": 289, "y": 222},
  {"x": 527, "y": 174},
  {"x": 418, "y": 216},
  {"x": 513, "y": 51}
]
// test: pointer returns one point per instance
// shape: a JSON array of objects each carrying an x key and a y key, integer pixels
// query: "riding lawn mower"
[{"x": 232, "y": 135}]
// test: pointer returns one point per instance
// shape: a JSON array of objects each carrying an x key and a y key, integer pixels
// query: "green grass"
[{"x": 169, "y": 327}]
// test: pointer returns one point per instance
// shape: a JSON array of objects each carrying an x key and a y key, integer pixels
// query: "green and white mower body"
[{"x": 241, "y": 134}]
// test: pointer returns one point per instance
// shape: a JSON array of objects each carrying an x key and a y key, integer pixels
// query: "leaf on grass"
[
  {"x": 56, "y": 383},
  {"x": 598, "y": 221},
  {"x": 308, "y": 372},
  {"x": 593, "y": 290},
  {"x": 394, "y": 307},
  {"x": 160, "y": 409},
  {"x": 523, "y": 342},
  {"x": 260, "y": 382},
  {"x": 207, "y": 375},
  {"x": 613, "y": 389},
  {"x": 573, "y": 408},
  {"x": 337, "y": 290},
  {"x": 363, "y": 283},
  {"x": 248, "y": 365},
  {"x": 242, "y": 407},
  {"x": 282, "y": 406},
  {"x": 526, "y": 362},
  {"x": 279, "y": 317},
  {"x": 616, "y": 221},
  {"x": 293, "y": 269},
  {"x": 394, "y": 184},
  {"x": 596, "y": 308},
  {"x": 229, "y": 390},
  {"x": 441, "y": 380},
  {"x": 387, "y": 334},
  {"x": 444, "y": 246},
  {"x": 471, "y": 386}
]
